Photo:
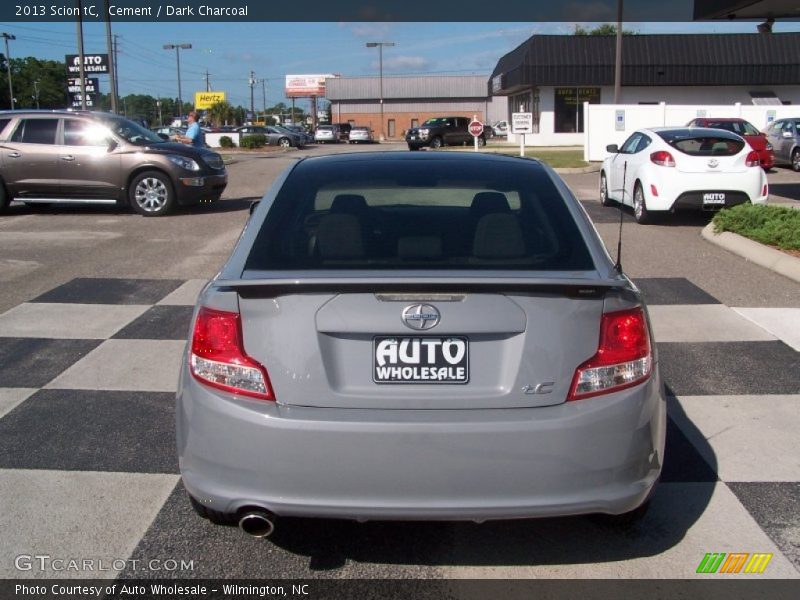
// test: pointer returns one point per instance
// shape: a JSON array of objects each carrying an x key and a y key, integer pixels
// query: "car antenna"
[{"x": 618, "y": 265}]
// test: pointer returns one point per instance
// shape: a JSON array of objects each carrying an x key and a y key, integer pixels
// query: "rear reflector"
[
  {"x": 218, "y": 358},
  {"x": 662, "y": 158},
  {"x": 752, "y": 159},
  {"x": 765, "y": 190},
  {"x": 623, "y": 359},
  {"x": 654, "y": 190}
]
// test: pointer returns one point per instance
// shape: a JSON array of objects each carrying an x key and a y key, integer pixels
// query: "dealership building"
[
  {"x": 552, "y": 76},
  {"x": 410, "y": 100}
]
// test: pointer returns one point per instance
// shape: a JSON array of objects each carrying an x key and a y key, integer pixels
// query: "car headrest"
[
  {"x": 484, "y": 203},
  {"x": 351, "y": 204},
  {"x": 419, "y": 247},
  {"x": 339, "y": 237},
  {"x": 498, "y": 235}
]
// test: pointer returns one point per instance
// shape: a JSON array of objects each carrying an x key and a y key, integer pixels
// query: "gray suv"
[
  {"x": 784, "y": 135},
  {"x": 99, "y": 158}
]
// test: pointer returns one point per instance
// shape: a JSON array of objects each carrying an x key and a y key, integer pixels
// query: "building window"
[
  {"x": 527, "y": 101},
  {"x": 392, "y": 131},
  {"x": 569, "y": 107},
  {"x": 414, "y": 123}
]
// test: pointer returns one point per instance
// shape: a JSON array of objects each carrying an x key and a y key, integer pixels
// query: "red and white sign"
[
  {"x": 475, "y": 128},
  {"x": 305, "y": 86}
]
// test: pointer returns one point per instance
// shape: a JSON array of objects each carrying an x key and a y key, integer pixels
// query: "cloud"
[
  {"x": 247, "y": 58},
  {"x": 400, "y": 64},
  {"x": 373, "y": 31}
]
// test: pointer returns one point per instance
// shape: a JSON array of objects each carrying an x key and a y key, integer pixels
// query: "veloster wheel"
[
  {"x": 605, "y": 200},
  {"x": 640, "y": 212},
  {"x": 437, "y": 142},
  {"x": 151, "y": 194}
]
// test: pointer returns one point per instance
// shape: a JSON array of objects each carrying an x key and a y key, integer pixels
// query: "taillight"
[
  {"x": 752, "y": 159},
  {"x": 623, "y": 359},
  {"x": 218, "y": 358},
  {"x": 662, "y": 158}
]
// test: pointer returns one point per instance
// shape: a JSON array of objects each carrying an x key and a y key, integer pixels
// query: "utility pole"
[
  {"x": 36, "y": 92},
  {"x": 112, "y": 60},
  {"x": 7, "y": 37},
  {"x": 264, "y": 98},
  {"x": 252, "y": 83},
  {"x": 208, "y": 82},
  {"x": 82, "y": 73},
  {"x": 618, "y": 57},
  {"x": 178, "y": 48}
]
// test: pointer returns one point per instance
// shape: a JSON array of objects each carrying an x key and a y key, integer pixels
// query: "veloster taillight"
[
  {"x": 752, "y": 159},
  {"x": 624, "y": 357},
  {"x": 662, "y": 158},
  {"x": 218, "y": 358}
]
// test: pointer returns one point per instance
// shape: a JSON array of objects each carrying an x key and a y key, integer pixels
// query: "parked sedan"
[
  {"x": 327, "y": 134},
  {"x": 784, "y": 134},
  {"x": 361, "y": 135},
  {"x": 274, "y": 135},
  {"x": 665, "y": 169},
  {"x": 406, "y": 336},
  {"x": 757, "y": 140}
]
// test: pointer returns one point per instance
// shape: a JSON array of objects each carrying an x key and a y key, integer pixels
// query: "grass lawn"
[
  {"x": 555, "y": 158},
  {"x": 777, "y": 226}
]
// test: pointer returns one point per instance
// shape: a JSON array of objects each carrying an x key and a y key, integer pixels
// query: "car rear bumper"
[
  {"x": 210, "y": 188},
  {"x": 598, "y": 455},
  {"x": 678, "y": 191}
]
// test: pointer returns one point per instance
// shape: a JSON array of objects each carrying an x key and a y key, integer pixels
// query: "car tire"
[
  {"x": 284, "y": 143},
  {"x": 150, "y": 194},
  {"x": 605, "y": 200},
  {"x": 437, "y": 142},
  {"x": 4, "y": 199},
  {"x": 481, "y": 142},
  {"x": 413, "y": 148},
  {"x": 796, "y": 160},
  {"x": 640, "y": 212}
]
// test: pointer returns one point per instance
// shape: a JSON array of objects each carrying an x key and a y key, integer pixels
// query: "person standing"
[{"x": 194, "y": 135}]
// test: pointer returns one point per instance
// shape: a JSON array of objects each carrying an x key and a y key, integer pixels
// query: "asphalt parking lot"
[{"x": 94, "y": 303}]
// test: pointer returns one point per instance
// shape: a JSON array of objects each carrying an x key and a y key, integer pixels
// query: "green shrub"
[
  {"x": 226, "y": 142},
  {"x": 255, "y": 140},
  {"x": 768, "y": 224}
]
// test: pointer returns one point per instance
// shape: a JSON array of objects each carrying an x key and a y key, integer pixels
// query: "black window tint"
[
  {"x": 36, "y": 131},
  {"x": 644, "y": 142},
  {"x": 84, "y": 133},
  {"x": 629, "y": 147},
  {"x": 3, "y": 124},
  {"x": 385, "y": 214},
  {"x": 707, "y": 145}
]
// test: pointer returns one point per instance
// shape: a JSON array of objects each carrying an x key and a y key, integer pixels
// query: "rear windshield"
[
  {"x": 704, "y": 145},
  {"x": 413, "y": 214},
  {"x": 738, "y": 127}
]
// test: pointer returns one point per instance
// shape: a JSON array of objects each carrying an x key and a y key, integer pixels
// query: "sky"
[{"x": 228, "y": 51}]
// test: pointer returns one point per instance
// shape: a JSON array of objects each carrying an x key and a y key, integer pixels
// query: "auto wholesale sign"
[
  {"x": 92, "y": 63},
  {"x": 92, "y": 85},
  {"x": 304, "y": 86},
  {"x": 205, "y": 100}
]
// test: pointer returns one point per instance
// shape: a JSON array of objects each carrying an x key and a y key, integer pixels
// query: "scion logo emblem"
[
  {"x": 713, "y": 163},
  {"x": 421, "y": 316}
]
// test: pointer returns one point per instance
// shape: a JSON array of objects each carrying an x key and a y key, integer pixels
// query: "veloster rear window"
[
  {"x": 416, "y": 214},
  {"x": 704, "y": 144}
]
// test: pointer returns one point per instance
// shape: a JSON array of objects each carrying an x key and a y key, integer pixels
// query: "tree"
[
  {"x": 221, "y": 113},
  {"x": 604, "y": 29},
  {"x": 30, "y": 74}
]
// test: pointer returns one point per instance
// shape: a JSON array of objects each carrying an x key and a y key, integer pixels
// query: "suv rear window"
[
  {"x": 704, "y": 145},
  {"x": 401, "y": 214},
  {"x": 739, "y": 127}
]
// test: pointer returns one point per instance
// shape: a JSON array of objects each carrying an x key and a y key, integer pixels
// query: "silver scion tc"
[{"x": 399, "y": 336}]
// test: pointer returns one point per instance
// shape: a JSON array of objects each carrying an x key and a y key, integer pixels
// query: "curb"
[
  {"x": 769, "y": 258},
  {"x": 575, "y": 170}
]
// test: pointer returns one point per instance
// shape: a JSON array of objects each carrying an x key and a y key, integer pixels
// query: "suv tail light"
[
  {"x": 623, "y": 359},
  {"x": 752, "y": 159},
  {"x": 218, "y": 358},
  {"x": 662, "y": 158}
]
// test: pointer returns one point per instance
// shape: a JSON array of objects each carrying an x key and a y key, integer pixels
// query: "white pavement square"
[
  {"x": 75, "y": 514},
  {"x": 703, "y": 323},
  {"x": 132, "y": 365},
  {"x": 11, "y": 397},
  {"x": 782, "y": 322},
  {"x": 745, "y": 438},
  {"x": 186, "y": 295},
  {"x": 67, "y": 321}
]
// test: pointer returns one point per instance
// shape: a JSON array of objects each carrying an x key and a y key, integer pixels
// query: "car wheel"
[
  {"x": 437, "y": 142},
  {"x": 284, "y": 143},
  {"x": 150, "y": 194},
  {"x": 604, "y": 198},
  {"x": 4, "y": 200},
  {"x": 481, "y": 142},
  {"x": 640, "y": 212},
  {"x": 796, "y": 159}
]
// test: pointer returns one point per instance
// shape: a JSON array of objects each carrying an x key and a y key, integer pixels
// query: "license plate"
[
  {"x": 714, "y": 198},
  {"x": 420, "y": 359},
  {"x": 412, "y": 137}
]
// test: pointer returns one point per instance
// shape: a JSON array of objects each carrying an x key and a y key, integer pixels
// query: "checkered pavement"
[{"x": 88, "y": 467}]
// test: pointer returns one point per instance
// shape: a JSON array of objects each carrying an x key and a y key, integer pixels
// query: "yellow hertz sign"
[
  {"x": 736, "y": 562},
  {"x": 205, "y": 100}
]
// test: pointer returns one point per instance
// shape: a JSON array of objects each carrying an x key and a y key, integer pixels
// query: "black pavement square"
[
  {"x": 34, "y": 362},
  {"x": 673, "y": 290},
  {"x": 605, "y": 214},
  {"x": 682, "y": 462},
  {"x": 159, "y": 323},
  {"x": 729, "y": 368},
  {"x": 111, "y": 291},
  {"x": 91, "y": 430},
  {"x": 776, "y": 508}
]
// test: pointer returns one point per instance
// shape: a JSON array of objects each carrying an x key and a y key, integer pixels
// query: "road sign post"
[
  {"x": 521, "y": 123},
  {"x": 475, "y": 129}
]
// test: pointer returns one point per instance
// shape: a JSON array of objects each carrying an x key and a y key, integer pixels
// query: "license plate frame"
[
  {"x": 714, "y": 198},
  {"x": 410, "y": 372}
]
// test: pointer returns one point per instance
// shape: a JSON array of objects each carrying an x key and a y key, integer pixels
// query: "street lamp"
[
  {"x": 380, "y": 46},
  {"x": 178, "y": 48},
  {"x": 7, "y": 37}
]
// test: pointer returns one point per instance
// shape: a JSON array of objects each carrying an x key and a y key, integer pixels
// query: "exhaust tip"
[{"x": 258, "y": 523}]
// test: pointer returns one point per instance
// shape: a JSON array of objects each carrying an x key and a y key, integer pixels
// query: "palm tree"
[{"x": 220, "y": 113}]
